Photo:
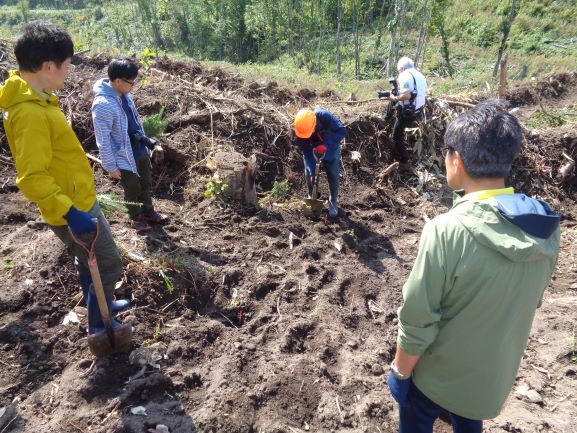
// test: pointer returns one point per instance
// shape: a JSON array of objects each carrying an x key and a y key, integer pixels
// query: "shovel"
[
  {"x": 111, "y": 339},
  {"x": 314, "y": 206}
]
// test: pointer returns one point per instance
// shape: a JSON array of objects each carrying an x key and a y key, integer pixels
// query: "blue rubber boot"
[
  {"x": 95, "y": 324},
  {"x": 117, "y": 305}
]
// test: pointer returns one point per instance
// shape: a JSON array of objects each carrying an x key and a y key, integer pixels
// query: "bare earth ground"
[{"x": 255, "y": 329}]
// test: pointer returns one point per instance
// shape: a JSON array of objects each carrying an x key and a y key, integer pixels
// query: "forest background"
[{"x": 347, "y": 46}]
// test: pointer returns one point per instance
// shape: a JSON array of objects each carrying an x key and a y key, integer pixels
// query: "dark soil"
[{"x": 257, "y": 329}]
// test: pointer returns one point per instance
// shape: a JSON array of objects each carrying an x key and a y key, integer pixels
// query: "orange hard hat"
[{"x": 305, "y": 123}]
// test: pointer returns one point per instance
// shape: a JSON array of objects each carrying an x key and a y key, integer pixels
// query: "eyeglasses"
[{"x": 129, "y": 82}]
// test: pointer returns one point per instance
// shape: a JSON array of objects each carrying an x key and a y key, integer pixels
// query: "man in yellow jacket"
[{"x": 52, "y": 168}]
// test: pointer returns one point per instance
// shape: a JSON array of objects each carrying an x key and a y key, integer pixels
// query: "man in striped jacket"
[{"x": 124, "y": 147}]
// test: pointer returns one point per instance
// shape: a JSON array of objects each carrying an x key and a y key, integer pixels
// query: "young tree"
[
  {"x": 394, "y": 24},
  {"x": 338, "y": 36},
  {"x": 438, "y": 12},
  {"x": 425, "y": 17},
  {"x": 150, "y": 18},
  {"x": 25, "y": 10},
  {"x": 506, "y": 24}
]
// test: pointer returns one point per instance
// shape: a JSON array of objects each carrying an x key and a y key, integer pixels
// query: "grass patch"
[{"x": 552, "y": 118}]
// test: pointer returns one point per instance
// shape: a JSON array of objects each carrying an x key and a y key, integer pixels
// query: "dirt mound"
[
  {"x": 550, "y": 88},
  {"x": 255, "y": 319}
]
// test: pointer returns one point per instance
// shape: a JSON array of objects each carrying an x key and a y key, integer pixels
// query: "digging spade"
[
  {"x": 111, "y": 339},
  {"x": 314, "y": 206}
]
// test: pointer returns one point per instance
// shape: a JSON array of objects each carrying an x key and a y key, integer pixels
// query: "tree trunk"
[
  {"x": 338, "y": 37},
  {"x": 357, "y": 40},
  {"x": 392, "y": 45},
  {"x": 289, "y": 27},
  {"x": 150, "y": 18},
  {"x": 506, "y": 29},
  {"x": 321, "y": 34},
  {"x": 237, "y": 172},
  {"x": 420, "y": 54},
  {"x": 503, "y": 77}
]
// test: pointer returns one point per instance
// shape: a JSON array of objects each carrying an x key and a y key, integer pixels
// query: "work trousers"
[
  {"x": 332, "y": 168},
  {"x": 421, "y": 412},
  {"x": 401, "y": 123},
  {"x": 107, "y": 254},
  {"x": 138, "y": 188}
]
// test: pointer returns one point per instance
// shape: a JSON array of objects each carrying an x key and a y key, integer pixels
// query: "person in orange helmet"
[{"x": 318, "y": 132}]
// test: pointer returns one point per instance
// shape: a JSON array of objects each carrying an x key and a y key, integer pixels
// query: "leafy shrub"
[
  {"x": 280, "y": 190},
  {"x": 217, "y": 189},
  {"x": 485, "y": 35}
]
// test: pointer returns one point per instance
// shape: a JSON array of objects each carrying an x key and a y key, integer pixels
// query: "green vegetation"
[
  {"x": 110, "y": 204},
  {"x": 280, "y": 190},
  {"x": 8, "y": 264},
  {"x": 302, "y": 43},
  {"x": 154, "y": 125},
  {"x": 217, "y": 189},
  {"x": 278, "y": 195},
  {"x": 550, "y": 119},
  {"x": 167, "y": 282}
]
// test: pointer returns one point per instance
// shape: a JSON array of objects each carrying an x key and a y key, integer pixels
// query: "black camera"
[
  {"x": 394, "y": 89},
  {"x": 139, "y": 138}
]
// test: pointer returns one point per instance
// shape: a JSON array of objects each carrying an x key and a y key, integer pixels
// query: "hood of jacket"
[
  {"x": 519, "y": 227},
  {"x": 15, "y": 91},
  {"x": 103, "y": 88}
]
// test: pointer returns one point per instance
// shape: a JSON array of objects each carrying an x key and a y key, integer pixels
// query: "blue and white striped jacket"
[{"x": 111, "y": 128}]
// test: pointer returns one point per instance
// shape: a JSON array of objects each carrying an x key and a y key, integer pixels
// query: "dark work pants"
[
  {"x": 420, "y": 415},
  {"x": 138, "y": 188},
  {"x": 399, "y": 134}
]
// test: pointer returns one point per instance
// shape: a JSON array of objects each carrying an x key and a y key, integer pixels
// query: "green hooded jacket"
[{"x": 471, "y": 297}]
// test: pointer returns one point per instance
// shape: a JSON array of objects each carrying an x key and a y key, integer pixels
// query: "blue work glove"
[
  {"x": 79, "y": 222},
  {"x": 399, "y": 388}
]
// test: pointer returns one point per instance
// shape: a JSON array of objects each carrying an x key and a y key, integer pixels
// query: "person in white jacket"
[{"x": 410, "y": 101}]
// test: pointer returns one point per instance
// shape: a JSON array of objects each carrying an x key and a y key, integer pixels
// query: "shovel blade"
[
  {"x": 313, "y": 207},
  {"x": 100, "y": 344}
]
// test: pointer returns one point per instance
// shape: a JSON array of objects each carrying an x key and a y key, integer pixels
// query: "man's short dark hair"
[
  {"x": 41, "y": 42},
  {"x": 123, "y": 68},
  {"x": 488, "y": 139}
]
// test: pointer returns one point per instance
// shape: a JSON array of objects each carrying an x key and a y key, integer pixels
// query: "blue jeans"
[
  {"x": 421, "y": 413},
  {"x": 332, "y": 169}
]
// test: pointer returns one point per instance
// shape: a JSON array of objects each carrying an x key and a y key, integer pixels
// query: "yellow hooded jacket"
[{"x": 52, "y": 168}]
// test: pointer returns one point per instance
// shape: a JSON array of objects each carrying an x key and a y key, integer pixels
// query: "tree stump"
[{"x": 238, "y": 172}]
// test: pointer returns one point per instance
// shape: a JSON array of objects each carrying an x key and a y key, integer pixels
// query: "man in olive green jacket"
[{"x": 479, "y": 277}]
